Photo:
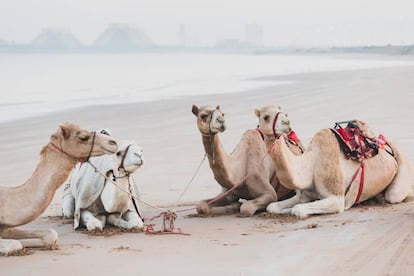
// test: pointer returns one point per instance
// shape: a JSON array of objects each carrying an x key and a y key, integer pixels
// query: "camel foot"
[
  {"x": 274, "y": 208},
  {"x": 248, "y": 209},
  {"x": 203, "y": 208},
  {"x": 8, "y": 246},
  {"x": 132, "y": 224},
  {"x": 94, "y": 225},
  {"x": 299, "y": 211}
]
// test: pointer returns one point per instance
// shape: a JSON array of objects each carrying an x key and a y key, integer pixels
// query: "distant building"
[
  {"x": 182, "y": 35},
  {"x": 231, "y": 44},
  {"x": 122, "y": 37},
  {"x": 254, "y": 35},
  {"x": 185, "y": 39}
]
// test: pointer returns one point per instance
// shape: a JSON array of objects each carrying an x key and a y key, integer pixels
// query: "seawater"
[{"x": 34, "y": 84}]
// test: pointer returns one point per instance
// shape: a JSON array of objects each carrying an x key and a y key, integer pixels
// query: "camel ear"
[
  {"x": 280, "y": 107},
  {"x": 195, "y": 109},
  {"x": 257, "y": 112},
  {"x": 64, "y": 130},
  {"x": 218, "y": 107}
]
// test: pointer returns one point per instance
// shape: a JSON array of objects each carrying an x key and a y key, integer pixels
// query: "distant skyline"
[{"x": 285, "y": 23}]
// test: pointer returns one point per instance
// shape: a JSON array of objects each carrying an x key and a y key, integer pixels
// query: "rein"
[
  {"x": 123, "y": 158},
  {"x": 168, "y": 216},
  {"x": 210, "y": 135}
]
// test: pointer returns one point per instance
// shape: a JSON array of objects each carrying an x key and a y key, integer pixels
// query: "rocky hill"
[
  {"x": 122, "y": 37},
  {"x": 55, "y": 39}
]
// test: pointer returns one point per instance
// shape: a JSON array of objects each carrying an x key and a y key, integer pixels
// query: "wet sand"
[{"x": 365, "y": 240}]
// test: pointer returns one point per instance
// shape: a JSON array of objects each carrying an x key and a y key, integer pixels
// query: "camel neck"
[
  {"x": 269, "y": 140},
  {"x": 29, "y": 200},
  {"x": 294, "y": 171},
  {"x": 214, "y": 150}
]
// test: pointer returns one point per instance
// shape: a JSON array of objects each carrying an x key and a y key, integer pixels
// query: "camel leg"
[
  {"x": 8, "y": 246},
  {"x": 225, "y": 205},
  {"x": 129, "y": 220},
  {"x": 68, "y": 204},
  {"x": 91, "y": 222},
  {"x": 331, "y": 204},
  {"x": 262, "y": 193},
  {"x": 285, "y": 206},
  {"x": 401, "y": 185},
  {"x": 32, "y": 238}
]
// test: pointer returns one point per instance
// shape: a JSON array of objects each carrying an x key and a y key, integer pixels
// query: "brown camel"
[
  {"x": 323, "y": 174},
  {"x": 22, "y": 204},
  {"x": 248, "y": 166}
]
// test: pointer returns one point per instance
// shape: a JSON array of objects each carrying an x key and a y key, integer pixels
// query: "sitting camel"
[
  {"x": 94, "y": 201},
  {"x": 324, "y": 179},
  {"x": 22, "y": 204},
  {"x": 247, "y": 166}
]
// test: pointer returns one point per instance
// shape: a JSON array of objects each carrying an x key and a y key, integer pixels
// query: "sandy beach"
[{"x": 365, "y": 240}]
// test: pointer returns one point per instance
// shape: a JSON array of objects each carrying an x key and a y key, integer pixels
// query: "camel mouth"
[{"x": 109, "y": 151}]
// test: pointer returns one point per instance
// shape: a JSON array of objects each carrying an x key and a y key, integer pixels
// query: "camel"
[
  {"x": 324, "y": 179},
  {"x": 22, "y": 204},
  {"x": 247, "y": 166},
  {"x": 94, "y": 201}
]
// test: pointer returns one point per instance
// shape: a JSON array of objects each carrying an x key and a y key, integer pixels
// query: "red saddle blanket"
[{"x": 356, "y": 144}]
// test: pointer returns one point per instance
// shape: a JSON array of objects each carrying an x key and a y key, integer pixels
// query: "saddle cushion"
[{"x": 356, "y": 144}]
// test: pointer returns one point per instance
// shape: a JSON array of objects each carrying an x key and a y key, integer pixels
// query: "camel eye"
[
  {"x": 266, "y": 118},
  {"x": 119, "y": 153},
  {"x": 84, "y": 138},
  {"x": 203, "y": 117}
]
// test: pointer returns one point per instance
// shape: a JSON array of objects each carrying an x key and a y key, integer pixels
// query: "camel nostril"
[{"x": 112, "y": 142}]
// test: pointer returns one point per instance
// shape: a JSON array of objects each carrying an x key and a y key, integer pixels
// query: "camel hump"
[{"x": 253, "y": 136}]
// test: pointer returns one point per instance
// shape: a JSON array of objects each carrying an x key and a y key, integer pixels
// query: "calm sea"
[{"x": 33, "y": 84}]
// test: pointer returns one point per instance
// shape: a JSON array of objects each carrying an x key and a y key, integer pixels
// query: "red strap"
[
  {"x": 361, "y": 182},
  {"x": 260, "y": 132}
]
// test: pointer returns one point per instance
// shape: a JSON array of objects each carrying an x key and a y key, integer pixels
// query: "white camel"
[
  {"x": 248, "y": 168},
  {"x": 22, "y": 204},
  {"x": 94, "y": 201},
  {"x": 325, "y": 180}
]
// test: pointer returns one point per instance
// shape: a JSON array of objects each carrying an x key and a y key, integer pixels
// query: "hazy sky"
[{"x": 285, "y": 22}]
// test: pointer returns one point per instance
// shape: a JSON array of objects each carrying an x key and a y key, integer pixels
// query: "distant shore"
[{"x": 405, "y": 50}]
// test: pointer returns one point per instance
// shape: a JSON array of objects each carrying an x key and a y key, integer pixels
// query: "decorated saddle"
[{"x": 356, "y": 143}]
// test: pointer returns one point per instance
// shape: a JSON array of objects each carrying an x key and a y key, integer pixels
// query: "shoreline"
[
  {"x": 365, "y": 239},
  {"x": 51, "y": 96}
]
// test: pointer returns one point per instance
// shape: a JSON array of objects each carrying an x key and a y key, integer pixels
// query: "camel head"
[
  {"x": 272, "y": 120},
  {"x": 129, "y": 156},
  {"x": 80, "y": 143},
  {"x": 210, "y": 120}
]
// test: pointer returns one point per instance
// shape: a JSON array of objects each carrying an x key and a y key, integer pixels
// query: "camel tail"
[{"x": 403, "y": 183}]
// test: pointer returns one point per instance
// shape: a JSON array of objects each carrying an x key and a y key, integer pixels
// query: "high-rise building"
[
  {"x": 182, "y": 35},
  {"x": 254, "y": 35}
]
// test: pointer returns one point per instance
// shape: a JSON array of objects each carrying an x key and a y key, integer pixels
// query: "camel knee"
[
  {"x": 8, "y": 246},
  {"x": 274, "y": 208},
  {"x": 248, "y": 208}
]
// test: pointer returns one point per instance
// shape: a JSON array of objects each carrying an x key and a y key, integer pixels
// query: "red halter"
[{"x": 274, "y": 124}]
